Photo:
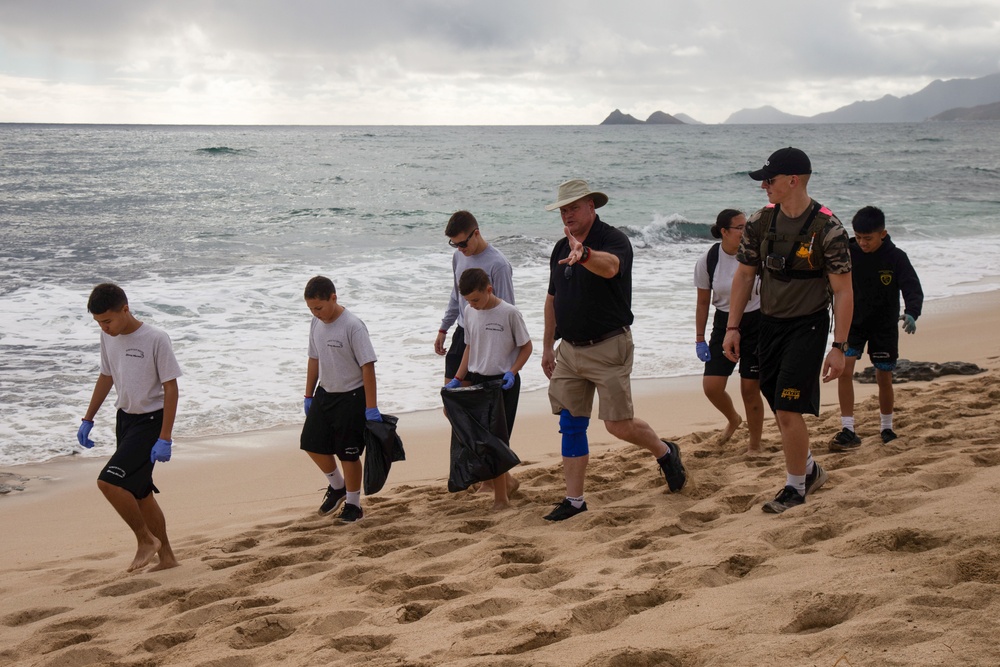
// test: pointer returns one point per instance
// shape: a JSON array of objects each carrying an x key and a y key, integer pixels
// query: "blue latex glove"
[
  {"x": 701, "y": 347},
  {"x": 508, "y": 380},
  {"x": 307, "y": 402},
  {"x": 373, "y": 415},
  {"x": 909, "y": 324},
  {"x": 161, "y": 451},
  {"x": 453, "y": 383},
  {"x": 83, "y": 435}
]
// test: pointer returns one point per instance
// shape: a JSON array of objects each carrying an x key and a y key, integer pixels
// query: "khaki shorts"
[{"x": 605, "y": 366}]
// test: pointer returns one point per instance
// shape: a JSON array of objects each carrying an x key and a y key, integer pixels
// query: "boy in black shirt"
[{"x": 881, "y": 271}]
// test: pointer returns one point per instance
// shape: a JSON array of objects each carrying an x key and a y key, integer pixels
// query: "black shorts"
[
  {"x": 130, "y": 466},
  {"x": 720, "y": 365},
  {"x": 510, "y": 396},
  {"x": 453, "y": 359},
  {"x": 335, "y": 424},
  {"x": 882, "y": 341},
  {"x": 791, "y": 359}
]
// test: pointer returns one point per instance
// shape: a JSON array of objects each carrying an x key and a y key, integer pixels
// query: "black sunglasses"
[{"x": 463, "y": 244}]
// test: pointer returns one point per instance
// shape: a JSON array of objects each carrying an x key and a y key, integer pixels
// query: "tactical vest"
[{"x": 806, "y": 245}]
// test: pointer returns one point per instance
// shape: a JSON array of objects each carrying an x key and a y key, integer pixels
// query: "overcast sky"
[{"x": 460, "y": 62}]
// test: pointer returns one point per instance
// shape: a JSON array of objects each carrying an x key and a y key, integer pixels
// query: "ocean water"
[{"x": 213, "y": 232}]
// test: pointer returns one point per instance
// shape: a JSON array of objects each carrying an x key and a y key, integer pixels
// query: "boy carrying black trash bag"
[
  {"x": 497, "y": 347},
  {"x": 341, "y": 394},
  {"x": 138, "y": 361},
  {"x": 881, "y": 273}
]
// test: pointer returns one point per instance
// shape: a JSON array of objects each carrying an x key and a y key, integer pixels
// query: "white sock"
[
  {"x": 335, "y": 479},
  {"x": 354, "y": 498},
  {"x": 810, "y": 463},
  {"x": 847, "y": 422},
  {"x": 575, "y": 502},
  {"x": 886, "y": 421},
  {"x": 798, "y": 482}
]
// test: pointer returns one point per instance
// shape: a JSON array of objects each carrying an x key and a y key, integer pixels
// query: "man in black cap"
[
  {"x": 589, "y": 307},
  {"x": 801, "y": 251}
]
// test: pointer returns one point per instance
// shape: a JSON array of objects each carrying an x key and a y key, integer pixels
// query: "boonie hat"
[
  {"x": 789, "y": 161},
  {"x": 575, "y": 189}
]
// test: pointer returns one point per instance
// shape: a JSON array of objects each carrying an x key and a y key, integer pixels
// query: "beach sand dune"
[{"x": 896, "y": 561}]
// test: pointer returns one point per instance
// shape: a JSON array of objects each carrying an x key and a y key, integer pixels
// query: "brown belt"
[{"x": 600, "y": 339}]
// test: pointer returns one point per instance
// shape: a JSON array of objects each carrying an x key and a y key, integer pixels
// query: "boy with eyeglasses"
[
  {"x": 881, "y": 272},
  {"x": 471, "y": 252}
]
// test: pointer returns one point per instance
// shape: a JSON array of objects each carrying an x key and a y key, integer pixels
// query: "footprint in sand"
[
  {"x": 824, "y": 611},
  {"x": 27, "y": 616},
  {"x": 260, "y": 631},
  {"x": 160, "y": 643},
  {"x": 361, "y": 643},
  {"x": 127, "y": 588},
  {"x": 907, "y": 540},
  {"x": 634, "y": 657},
  {"x": 483, "y": 609},
  {"x": 411, "y": 612}
]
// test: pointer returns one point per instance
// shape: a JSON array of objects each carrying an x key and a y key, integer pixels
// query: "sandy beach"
[{"x": 896, "y": 561}]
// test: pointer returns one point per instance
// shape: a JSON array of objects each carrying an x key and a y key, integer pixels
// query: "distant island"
[
  {"x": 981, "y": 112},
  {"x": 952, "y": 100},
  {"x": 616, "y": 117}
]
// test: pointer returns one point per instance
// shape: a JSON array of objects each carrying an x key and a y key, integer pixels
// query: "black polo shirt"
[{"x": 588, "y": 306}]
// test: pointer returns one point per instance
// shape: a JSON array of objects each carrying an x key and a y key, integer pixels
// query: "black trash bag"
[
  {"x": 382, "y": 447},
  {"x": 479, "y": 438}
]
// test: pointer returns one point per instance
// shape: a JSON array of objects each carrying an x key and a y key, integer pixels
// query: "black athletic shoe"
[
  {"x": 564, "y": 510},
  {"x": 787, "y": 498},
  {"x": 816, "y": 479},
  {"x": 351, "y": 514},
  {"x": 845, "y": 441},
  {"x": 673, "y": 469},
  {"x": 332, "y": 500},
  {"x": 888, "y": 435}
]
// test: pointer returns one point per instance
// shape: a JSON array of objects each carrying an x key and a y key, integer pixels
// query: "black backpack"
[{"x": 713, "y": 261}]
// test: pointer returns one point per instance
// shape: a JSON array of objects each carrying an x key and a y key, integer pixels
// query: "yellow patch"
[
  {"x": 802, "y": 252},
  {"x": 886, "y": 278},
  {"x": 791, "y": 393}
]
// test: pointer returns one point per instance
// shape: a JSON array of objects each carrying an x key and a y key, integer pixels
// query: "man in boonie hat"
[
  {"x": 801, "y": 251},
  {"x": 589, "y": 307}
]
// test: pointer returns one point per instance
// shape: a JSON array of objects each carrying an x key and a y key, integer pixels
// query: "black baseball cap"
[{"x": 790, "y": 161}]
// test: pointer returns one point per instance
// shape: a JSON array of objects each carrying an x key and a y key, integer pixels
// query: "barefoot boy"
[
  {"x": 881, "y": 272},
  {"x": 340, "y": 395},
  {"x": 497, "y": 347},
  {"x": 138, "y": 361}
]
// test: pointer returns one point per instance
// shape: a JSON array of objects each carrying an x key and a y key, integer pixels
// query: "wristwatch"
[{"x": 840, "y": 346}]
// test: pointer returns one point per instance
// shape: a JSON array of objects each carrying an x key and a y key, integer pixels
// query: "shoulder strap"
[{"x": 713, "y": 261}]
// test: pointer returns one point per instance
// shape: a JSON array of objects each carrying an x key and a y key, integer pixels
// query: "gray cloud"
[{"x": 465, "y": 61}]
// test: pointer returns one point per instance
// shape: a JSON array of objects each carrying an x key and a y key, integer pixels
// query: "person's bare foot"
[
  {"x": 513, "y": 484},
  {"x": 484, "y": 487},
  {"x": 165, "y": 564},
  {"x": 144, "y": 554},
  {"x": 500, "y": 505},
  {"x": 755, "y": 451},
  {"x": 730, "y": 429}
]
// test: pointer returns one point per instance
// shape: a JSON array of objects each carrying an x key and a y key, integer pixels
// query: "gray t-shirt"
[
  {"x": 139, "y": 363},
  {"x": 496, "y": 267},
  {"x": 342, "y": 348},
  {"x": 493, "y": 337},
  {"x": 722, "y": 281}
]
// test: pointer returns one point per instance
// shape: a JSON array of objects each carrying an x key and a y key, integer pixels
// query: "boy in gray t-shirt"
[
  {"x": 497, "y": 347},
  {"x": 138, "y": 361},
  {"x": 341, "y": 394},
  {"x": 471, "y": 251}
]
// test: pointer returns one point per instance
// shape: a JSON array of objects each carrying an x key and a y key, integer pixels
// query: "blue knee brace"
[{"x": 574, "y": 434}]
